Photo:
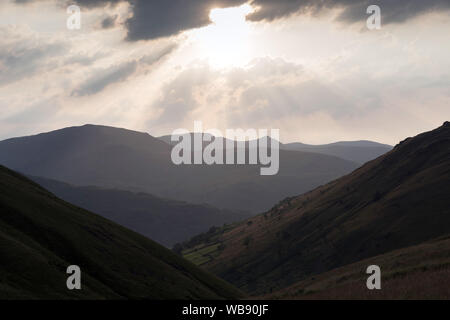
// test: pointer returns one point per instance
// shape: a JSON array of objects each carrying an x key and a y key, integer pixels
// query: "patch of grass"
[{"x": 202, "y": 254}]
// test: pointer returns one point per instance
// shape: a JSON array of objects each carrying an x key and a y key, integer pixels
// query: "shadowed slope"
[
  {"x": 162, "y": 220},
  {"x": 41, "y": 235},
  {"x": 417, "y": 272}
]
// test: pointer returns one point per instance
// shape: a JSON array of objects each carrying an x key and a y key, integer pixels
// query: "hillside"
[
  {"x": 41, "y": 235},
  {"x": 398, "y": 200},
  {"x": 127, "y": 160},
  {"x": 417, "y": 272},
  {"x": 162, "y": 220}
]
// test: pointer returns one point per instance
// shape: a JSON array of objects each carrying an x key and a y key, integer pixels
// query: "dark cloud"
[
  {"x": 97, "y": 3},
  {"x": 118, "y": 73},
  {"x": 391, "y": 11},
  {"x": 271, "y": 10},
  {"x": 157, "y": 19},
  {"x": 109, "y": 22},
  {"x": 106, "y": 77}
]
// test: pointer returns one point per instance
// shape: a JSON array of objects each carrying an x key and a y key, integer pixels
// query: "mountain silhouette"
[
  {"x": 122, "y": 159},
  {"x": 356, "y": 151}
]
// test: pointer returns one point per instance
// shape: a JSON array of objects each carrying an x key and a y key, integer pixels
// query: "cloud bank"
[{"x": 158, "y": 19}]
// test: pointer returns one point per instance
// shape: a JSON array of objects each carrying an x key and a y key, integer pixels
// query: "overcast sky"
[{"x": 309, "y": 68}]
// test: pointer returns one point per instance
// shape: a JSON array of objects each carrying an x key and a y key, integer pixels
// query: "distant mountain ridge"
[
  {"x": 398, "y": 200},
  {"x": 122, "y": 159},
  {"x": 359, "y": 151},
  {"x": 162, "y": 220}
]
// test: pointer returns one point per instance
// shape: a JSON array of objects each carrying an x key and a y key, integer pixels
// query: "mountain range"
[
  {"x": 393, "y": 211},
  {"x": 116, "y": 158},
  {"x": 399, "y": 200},
  {"x": 355, "y": 151}
]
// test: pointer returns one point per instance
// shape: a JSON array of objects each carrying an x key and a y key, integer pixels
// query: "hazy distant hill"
[
  {"x": 357, "y": 151},
  {"x": 41, "y": 235},
  {"x": 162, "y": 220},
  {"x": 398, "y": 200},
  {"x": 128, "y": 160}
]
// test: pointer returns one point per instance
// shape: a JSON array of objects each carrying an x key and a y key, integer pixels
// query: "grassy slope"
[
  {"x": 398, "y": 200},
  {"x": 40, "y": 235},
  {"x": 417, "y": 272}
]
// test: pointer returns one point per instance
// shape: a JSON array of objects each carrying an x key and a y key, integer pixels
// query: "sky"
[{"x": 309, "y": 68}]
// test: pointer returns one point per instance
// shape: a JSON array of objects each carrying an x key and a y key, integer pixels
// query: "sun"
[{"x": 226, "y": 42}]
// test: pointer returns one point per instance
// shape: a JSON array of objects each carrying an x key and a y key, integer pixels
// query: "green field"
[{"x": 202, "y": 254}]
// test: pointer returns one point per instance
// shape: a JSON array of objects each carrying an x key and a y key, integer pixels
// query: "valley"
[
  {"x": 315, "y": 245},
  {"x": 395, "y": 201},
  {"x": 41, "y": 235}
]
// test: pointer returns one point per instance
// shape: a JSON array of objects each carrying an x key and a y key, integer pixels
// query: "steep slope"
[
  {"x": 127, "y": 160},
  {"x": 398, "y": 200},
  {"x": 417, "y": 272},
  {"x": 357, "y": 151},
  {"x": 41, "y": 235},
  {"x": 164, "y": 221}
]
